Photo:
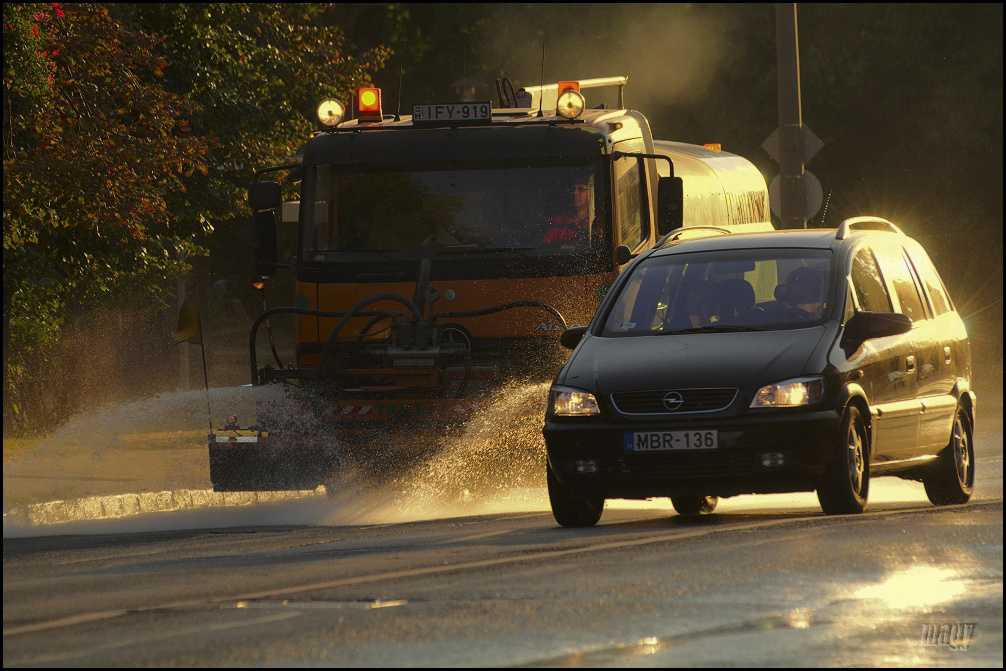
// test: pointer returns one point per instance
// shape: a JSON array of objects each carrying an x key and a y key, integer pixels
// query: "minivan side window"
[
  {"x": 868, "y": 283},
  {"x": 896, "y": 269},
  {"x": 938, "y": 296}
]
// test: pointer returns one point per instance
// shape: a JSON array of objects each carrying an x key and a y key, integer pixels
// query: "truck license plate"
[
  {"x": 468, "y": 111},
  {"x": 656, "y": 441}
]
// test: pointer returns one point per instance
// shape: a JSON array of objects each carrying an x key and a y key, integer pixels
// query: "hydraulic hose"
[
  {"x": 253, "y": 337},
  {"x": 500, "y": 308},
  {"x": 352, "y": 312}
]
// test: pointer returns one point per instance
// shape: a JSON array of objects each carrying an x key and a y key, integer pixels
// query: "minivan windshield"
[{"x": 718, "y": 291}]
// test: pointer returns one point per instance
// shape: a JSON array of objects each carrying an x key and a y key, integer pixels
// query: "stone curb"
[{"x": 125, "y": 505}]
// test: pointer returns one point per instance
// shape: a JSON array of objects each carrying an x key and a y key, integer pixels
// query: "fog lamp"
[
  {"x": 770, "y": 459},
  {"x": 586, "y": 466}
]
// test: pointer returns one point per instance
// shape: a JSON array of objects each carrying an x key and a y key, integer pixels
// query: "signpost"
[{"x": 795, "y": 195}]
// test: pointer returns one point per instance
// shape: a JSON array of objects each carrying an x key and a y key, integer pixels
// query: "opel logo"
[{"x": 673, "y": 400}]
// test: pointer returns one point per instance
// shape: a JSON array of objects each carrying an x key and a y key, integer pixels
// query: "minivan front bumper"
[{"x": 757, "y": 454}]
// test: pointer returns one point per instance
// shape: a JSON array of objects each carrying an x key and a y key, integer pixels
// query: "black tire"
[
  {"x": 845, "y": 485},
  {"x": 690, "y": 506},
  {"x": 952, "y": 478},
  {"x": 570, "y": 508}
]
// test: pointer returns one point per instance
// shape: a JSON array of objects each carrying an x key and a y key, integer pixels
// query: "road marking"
[
  {"x": 464, "y": 566},
  {"x": 140, "y": 640},
  {"x": 474, "y": 537}
]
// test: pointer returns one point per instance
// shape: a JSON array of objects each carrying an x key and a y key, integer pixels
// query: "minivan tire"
[
  {"x": 845, "y": 485},
  {"x": 952, "y": 478},
  {"x": 570, "y": 508}
]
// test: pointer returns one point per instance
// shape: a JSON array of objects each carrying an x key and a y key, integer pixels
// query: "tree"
[
  {"x": 255, "y": 73},
  {"x": 129, "y": 132},
  {"x": 93, "y": 150}
]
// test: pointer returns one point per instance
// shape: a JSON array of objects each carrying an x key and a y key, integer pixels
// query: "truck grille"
[{"x": 652, "y": 402}]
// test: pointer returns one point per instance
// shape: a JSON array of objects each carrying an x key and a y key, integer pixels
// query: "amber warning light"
[{"x": 368, "y": 104}]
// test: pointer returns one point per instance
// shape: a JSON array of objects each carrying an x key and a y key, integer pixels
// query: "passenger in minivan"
[{"x": 700, "y": 303}]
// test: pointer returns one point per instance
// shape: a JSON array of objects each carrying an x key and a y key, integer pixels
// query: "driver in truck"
[{"x": 578, "y": 222}]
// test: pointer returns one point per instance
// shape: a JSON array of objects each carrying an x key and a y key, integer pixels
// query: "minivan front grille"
[
  {"x": 672, "y": 401},
  {"x": 709, "y": 464}
]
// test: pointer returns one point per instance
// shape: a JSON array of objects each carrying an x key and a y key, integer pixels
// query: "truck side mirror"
[
  {"x": 266, "y": 249},
  {"x": 265, "y": 196},
  {"x": 670, "y": 204}
]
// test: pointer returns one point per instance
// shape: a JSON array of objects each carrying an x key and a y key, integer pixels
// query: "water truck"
[{"x": 440, "y": 255}]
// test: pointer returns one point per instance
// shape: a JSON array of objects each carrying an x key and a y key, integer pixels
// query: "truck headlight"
[
  {"x": 566, "y": 402},
  {"x": 790, "y": 393}
]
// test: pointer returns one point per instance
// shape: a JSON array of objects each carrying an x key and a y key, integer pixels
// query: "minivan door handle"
[{"x": 910, "y": 363}]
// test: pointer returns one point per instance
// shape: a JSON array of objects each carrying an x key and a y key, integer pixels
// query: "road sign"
[
  {"x": 811, "y": 144},
  {"x": 812, "y": 190}
]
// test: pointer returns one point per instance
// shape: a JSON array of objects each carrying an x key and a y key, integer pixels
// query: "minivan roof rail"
[
  {"x": 865, "y": 224},
  {"x": 678, "y": 232}
]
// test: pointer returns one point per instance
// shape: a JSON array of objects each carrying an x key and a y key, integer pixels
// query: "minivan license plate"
[{"x": 655, "y": 441}]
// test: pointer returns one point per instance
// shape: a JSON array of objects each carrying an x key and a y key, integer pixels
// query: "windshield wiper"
[
  {"x": 712, "y": 328},
  {"x": 466, "y": 249}
]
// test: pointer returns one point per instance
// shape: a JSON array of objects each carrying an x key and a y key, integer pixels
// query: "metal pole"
[
  {"x": 792, "y": 195},
  {"x": 183, "y": 352}
]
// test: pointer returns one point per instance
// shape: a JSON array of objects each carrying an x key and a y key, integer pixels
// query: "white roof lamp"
[
  {"x": 331, "y": 112},
  {"x": 570, "y": 104}
]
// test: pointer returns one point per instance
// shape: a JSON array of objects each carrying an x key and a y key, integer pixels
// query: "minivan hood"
[{"x": 744, "y": 360}]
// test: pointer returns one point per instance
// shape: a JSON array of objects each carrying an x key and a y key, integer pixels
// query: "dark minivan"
[{"x": 766, "y": 362}]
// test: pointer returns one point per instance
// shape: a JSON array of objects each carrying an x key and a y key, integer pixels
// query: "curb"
[{"x": 126, "y": 505}]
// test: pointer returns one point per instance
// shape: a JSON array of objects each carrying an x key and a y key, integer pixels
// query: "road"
[{"x": 356, "y": 581}]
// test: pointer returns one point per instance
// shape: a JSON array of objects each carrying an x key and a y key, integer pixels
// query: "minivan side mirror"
[
  {"x": 572, "y": 336},
  {"x": 867, "y": 325}
]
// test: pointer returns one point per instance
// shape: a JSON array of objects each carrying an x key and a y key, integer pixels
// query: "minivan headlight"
[
  {"x": 790, "y": 393},
  {"x": 566, "y": 402}
]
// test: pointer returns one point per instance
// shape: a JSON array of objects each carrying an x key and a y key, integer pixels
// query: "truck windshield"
[
  {"x": 708, "y": 292},
  {"x": 540, "y": 210}
]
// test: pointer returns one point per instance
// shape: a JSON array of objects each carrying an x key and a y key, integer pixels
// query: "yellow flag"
[{"x": 188, "y": 321}]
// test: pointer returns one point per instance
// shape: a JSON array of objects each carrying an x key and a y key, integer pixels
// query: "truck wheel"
[
  {"x": 570, "y": 508},
  {"x": 952, "y": 478},
  {"x": 846, "y": 482},
  {"x": 694, "y": 505}
]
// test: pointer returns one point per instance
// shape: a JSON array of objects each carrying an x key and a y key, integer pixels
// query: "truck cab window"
[{"x": 633, "y": 209}]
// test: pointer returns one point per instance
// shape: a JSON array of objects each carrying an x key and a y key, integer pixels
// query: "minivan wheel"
[
  {"x": 570, "y": 508},
  {"x": 846, "y": 482},
  {"x": 952, "y": 478},
  {"x": 694, "y": 505}
]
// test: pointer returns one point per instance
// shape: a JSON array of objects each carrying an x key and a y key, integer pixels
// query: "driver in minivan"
[{"x": 804, "y": 289}]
